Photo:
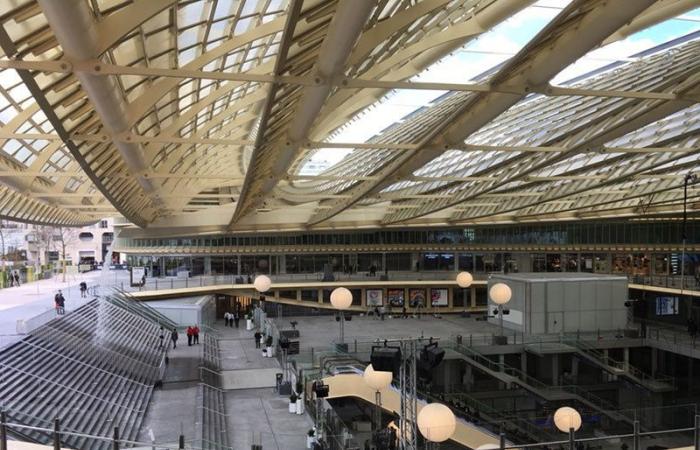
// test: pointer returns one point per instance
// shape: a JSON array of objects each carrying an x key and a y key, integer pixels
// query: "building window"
[
  {"x": 103, "y": 224},
  {"x": 85, "y": 236}
]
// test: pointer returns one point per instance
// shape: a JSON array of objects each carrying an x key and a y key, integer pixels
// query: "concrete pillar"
[
  {"x": 626, "y": 359},
  {"x": 501, "y": 362},
  {"x": 238, "y": 265},
  {"x": 574, "y": 369},
  {"x": 468, "y": 380},
  {"x": 523, "y": 362},
  {"x": 472, "y": 296},
  {"x": 654, "y": 361},
  {"x": 282, "y": 264},
  {"x": 415, "y": 258},
  {"x": 207, "y": 265},
  {"x": 555, "y": 370}
]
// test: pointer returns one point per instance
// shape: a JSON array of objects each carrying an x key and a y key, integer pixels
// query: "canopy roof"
[{"x": 234, "y": 115}]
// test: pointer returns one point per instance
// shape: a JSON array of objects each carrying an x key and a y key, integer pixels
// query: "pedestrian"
[
  {"x": 190, "y": 333},
  {"x": 83, "y": 289},
  {"x": 60, "y": 303},
  {"x": 11, "y": 278},
  {"x": 173, "y": 337},
  {"x": 195, "y": 334},
  {"x": 17, "y": 278},
  {"x": 161, "y": 336},
  {"x": 236, "y": 318},
  {"x": 226, "y": 318},
  {"x": 257, "y": 336}
]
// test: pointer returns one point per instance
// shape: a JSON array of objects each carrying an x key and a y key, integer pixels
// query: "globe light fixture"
[
  {"x": 377, "y": 379},
  {"x": 464, "y": 279},
  {"x": 436, "y": 422},
  {"x": 341, "y": 298},
  {"x": 500, "y": 293},
  {"x": 262, "y": 283},
  {"x": 567, "y": 419}
]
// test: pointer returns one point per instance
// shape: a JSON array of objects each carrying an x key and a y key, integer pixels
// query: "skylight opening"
[{"x": 461, "y": 66}]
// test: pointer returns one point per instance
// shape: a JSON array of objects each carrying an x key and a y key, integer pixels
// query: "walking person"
[
  {"x": 195, "y": 334},
  {"x": 173, "y": 337},
  {"x": 236, "y": 318},
  {"x": 257, "y": 336},
  {"x": 11, "y": 278},
  {"x": 161, "y": 336},
  {"x": 190, "y": 334},
  {"x": 227, "y": 317},
  {"x": 60, "y": 302},
  {"x": 83, "y": 289},
  {"x": 17, "y": 278}
]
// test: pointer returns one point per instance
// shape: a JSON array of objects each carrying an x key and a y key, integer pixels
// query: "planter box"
[
  {"x": 292, "y": 408},
  {"x": 248, "y": 324}
]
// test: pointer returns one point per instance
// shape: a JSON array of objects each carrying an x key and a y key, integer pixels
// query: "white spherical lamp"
[
  {"x": 566, "y": 418},
  {"x": 464, "y": 279},
  {"x": 262, "y": 283},
  {"x": 341, "y": 298},
  {"x": 436, "y": 422},
  {"x": 377, "y": 379},
  {"x": 500, "y": 293}
]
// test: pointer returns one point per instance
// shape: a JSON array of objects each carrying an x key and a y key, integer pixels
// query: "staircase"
[
  {"x": 657, "y": 383},
  {"x": 93, "y": 368},
  {"x": 510, "y": 375},
  {"x": 211, "y": 429}
]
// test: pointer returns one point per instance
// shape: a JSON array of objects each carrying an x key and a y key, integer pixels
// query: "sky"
[{"x": 489, "y": 50}]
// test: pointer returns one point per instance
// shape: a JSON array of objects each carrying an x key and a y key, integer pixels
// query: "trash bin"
[{"x": 278, "y": 381}]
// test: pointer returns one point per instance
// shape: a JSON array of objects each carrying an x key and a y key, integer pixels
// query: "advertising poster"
[
  {"x": 438, "y": 297},
  {"x": 666, "y": 306},
  {"x": 395, "y": 297},
  {"x": 137, "y": 275},
  {"x": 375, "y": 297},
  {"x": 416, "y": 298}
]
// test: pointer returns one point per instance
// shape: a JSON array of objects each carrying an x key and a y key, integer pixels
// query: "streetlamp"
[
  {"x": 341, "y": 299},
  {"x": 377, "y": 380},
  {"x": 436, "y": 423},
  {"x": 500, "y": 294},
  {"x": 567, "y": 419},
  {"x": 464, "y": 280}
]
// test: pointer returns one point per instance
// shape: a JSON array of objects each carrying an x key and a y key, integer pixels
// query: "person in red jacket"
[
  {"x": 190, "y": 333},
  {"x": 195, "y": 334}
]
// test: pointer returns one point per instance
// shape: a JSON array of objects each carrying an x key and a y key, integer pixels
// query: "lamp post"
[
  {"x": 436, "y": 423},
  {"x": 500, "y": 294},
  {"x": 377, "y": 380},
  {"x": 568, "y": 420},
  {"x": 464, "y": 280},
  {"x": 341, "y": 299}
]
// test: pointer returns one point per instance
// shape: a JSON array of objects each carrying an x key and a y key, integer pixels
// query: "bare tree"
[{"x": 65, "y": 237}]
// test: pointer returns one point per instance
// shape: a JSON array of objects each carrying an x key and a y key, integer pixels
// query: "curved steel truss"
[{"x": 201, "y": 115}]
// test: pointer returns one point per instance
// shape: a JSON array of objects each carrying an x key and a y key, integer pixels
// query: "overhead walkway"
[
  {"x": 352, "y": 385},
  {"x": 93, "y": 368}
]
